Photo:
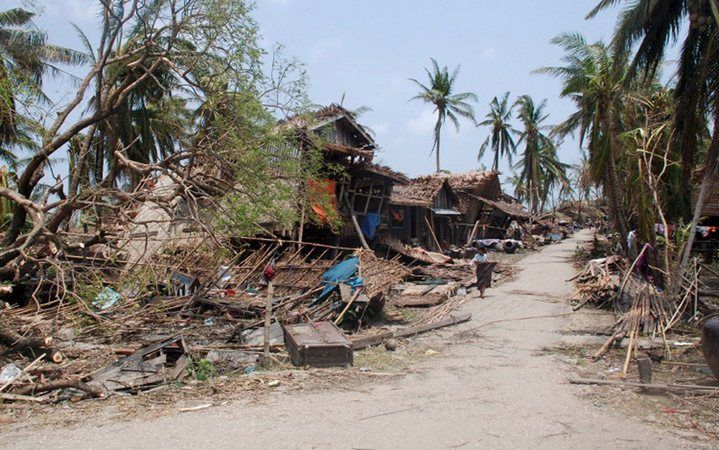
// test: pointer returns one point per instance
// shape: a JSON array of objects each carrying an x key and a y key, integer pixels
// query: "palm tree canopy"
[
  {"x": 440, "y": 92},
  {"x": 25, "y": 57},
  {"x": 540, "y": 169},
  {"x": 500, "y": 139}
]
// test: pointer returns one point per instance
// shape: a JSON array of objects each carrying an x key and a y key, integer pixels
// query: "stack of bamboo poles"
[{"x": 652, "y": 312}]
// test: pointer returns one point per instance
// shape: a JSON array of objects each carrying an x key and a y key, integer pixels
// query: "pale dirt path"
[{"x": 498, "y": 391}]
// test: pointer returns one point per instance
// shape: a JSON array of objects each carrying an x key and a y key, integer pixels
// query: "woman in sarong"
[{"x": 484, "y": 269}]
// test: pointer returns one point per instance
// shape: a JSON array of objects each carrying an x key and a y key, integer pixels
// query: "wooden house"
[
  {"x": 486, "y": 212},
  {"x": 362, "y": 190},
  {"x": 424, "y": 212}
]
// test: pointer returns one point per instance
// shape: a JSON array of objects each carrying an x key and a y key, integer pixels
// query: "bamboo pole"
[
  {"x": 349, "y": 303},
  {"x": 474, "y": 231},
  {"x": 268, "y": 319},
  {"x": 434, "y": 236}
]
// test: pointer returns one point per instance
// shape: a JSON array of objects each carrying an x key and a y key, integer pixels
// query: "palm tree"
[
  {"x": 655, "y": 24},
  {"x": 25, "y": 56},
  {"x": 539, "y": 167},
  {"x": 500, "y": 138},
  {"x": 595, "y": 80},
  {"x": 439, "y": 91}
]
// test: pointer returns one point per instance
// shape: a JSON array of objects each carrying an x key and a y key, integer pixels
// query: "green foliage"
[
  {"x": 539, "y": 166},
  {"x": 440, "y": 92},
  {"x": 500, "y": 139},
  {"x": 202, "y": 370}
]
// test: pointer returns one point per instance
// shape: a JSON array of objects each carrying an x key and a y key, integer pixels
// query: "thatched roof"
[
  {"x": 515, "y": 210},
  {"x": 466, "y": 185},
  {"x": 316, "y": 120},
  {"x": 420, "y": 191},
  {"x": 484, "y": 184},
  {"x": 383, "y": 171}
]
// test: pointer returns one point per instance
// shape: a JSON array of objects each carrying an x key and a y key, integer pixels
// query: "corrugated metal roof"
[{"x": 445, "y": 212}]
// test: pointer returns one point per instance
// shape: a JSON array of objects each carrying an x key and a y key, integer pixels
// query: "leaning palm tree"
[
  {"x": 594, "y": 80},
  {"x": 500, "y": 139},
  {"x": 539, "y": 169},
  {"x": 653, "y": 25},
  {"x": 25, "y": 56},
  {"x": 439, "y": 91}
]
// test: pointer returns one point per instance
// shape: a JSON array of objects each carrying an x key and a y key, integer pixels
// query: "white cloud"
[
  {"x": 488, "y": 53},
  {"x": 424, "y": 122},
  {"x": 325, "y": 47}
]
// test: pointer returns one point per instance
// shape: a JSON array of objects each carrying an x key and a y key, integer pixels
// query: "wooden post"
[
  {"x": 356, "y": 225},
  {"x": 268, "y": 319},
  {"x": 349, "y": 303},
  {"x": 645, "y": 370},
  {"x": 474, "y": 231},
  {"x": 434, "y": 236}
]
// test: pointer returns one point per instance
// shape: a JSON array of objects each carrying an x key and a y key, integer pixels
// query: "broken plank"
[
  {"x": 450, "y": 319},
  {"x": 20, "y": 398},
  {"x": 688, "y": 388},
  {"x": 423, "y": 301}
]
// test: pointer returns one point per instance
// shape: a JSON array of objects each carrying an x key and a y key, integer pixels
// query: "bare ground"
[{"x": 487, "y": 383}]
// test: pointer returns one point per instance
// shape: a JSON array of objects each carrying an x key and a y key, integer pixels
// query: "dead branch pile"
[
  {"x": 214, "y": 297},
  {"x": 598, "y": 283}
]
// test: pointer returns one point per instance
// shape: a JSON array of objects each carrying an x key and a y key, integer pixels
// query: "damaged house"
[
  {"x": 424, "y": 212},
  {"x": 487, "y": 212},
  {"x": 360, "y": 192}
]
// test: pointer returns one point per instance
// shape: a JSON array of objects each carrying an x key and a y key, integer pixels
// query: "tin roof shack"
[
  {"x": 425, "y": 212},
  {"x": 361, "y": 193}
]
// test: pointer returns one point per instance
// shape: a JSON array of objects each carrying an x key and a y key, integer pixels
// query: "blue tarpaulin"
[
  {"x": 370, "y": 224},
  {"x": 344, "y": 272}
]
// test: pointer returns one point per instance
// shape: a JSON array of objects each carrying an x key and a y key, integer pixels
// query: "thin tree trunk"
[
  {"x": 611, "y": 184},
  {"x": 436, "y": 150},
  {"x": 710, "y": 166}
]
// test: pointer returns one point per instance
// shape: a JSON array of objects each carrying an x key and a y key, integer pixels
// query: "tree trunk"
[
  {"x": 436, "y": 149},
  {"x": 710, "y": 166},
  {"x": 611, "y": 183}
]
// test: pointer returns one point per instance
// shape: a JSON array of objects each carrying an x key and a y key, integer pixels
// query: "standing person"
[{"x": 484, "y": 269}]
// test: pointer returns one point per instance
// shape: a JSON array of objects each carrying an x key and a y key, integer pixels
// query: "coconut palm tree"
[
  {"x": 650, "y": 26},
  {"x": 440, "y": 92},
  {"x": 594, "y": 79},
  {"x": 25, "y": 57},
  {"x": 500, "y": 138},
  {"x": 539, "y": 166}
]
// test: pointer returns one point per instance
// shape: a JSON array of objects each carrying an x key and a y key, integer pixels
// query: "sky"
[{"x": 367, "y": 51}]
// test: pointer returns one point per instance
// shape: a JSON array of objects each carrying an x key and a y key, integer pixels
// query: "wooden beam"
[
  {"x": 688, "y": 388},
  {"x": 450, "y": 319},
  {"x": 434, "y": 236},
  {"x": 358, "y": 230}
]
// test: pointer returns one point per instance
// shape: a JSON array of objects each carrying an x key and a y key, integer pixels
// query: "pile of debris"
[{"x": 598, "y": 284}]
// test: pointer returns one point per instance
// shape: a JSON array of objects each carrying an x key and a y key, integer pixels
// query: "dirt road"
[{"x": 497, "y": 391}]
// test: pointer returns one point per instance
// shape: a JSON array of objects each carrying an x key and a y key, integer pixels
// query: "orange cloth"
[{"x": 320, "y": 194}]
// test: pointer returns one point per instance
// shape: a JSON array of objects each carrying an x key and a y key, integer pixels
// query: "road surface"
[{"x": 497, "y": 391}]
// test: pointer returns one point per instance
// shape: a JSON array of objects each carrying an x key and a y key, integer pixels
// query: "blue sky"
[{"x": 368, "y": 49}]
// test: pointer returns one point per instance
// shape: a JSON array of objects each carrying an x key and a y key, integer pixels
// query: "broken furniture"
[{"x": 150, "y": 366}]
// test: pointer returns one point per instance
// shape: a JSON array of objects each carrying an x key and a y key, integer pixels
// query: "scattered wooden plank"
[
  {"x": 686, "y": 388},
  {"x": 423, "y": 301},
  {"x": 450, "y": 319},
  {"x": 20, "y": 398}
]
